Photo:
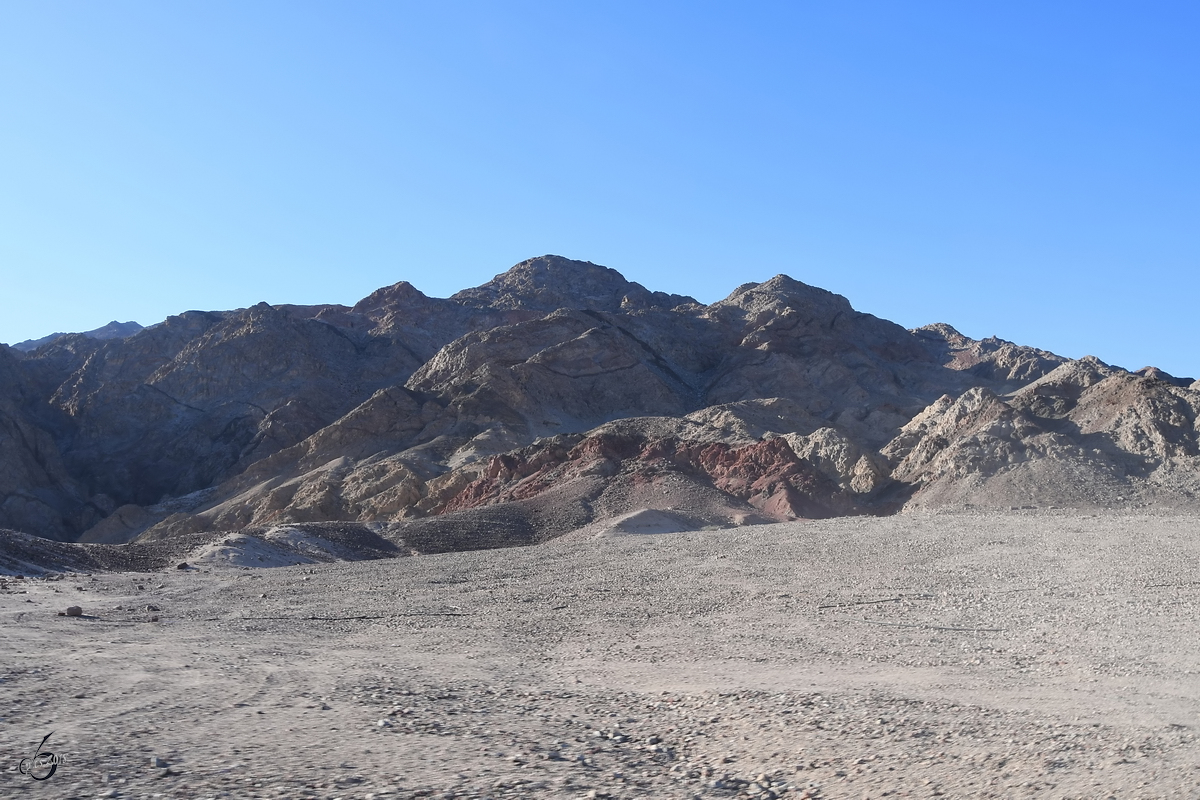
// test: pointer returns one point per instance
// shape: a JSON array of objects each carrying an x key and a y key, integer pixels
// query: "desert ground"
[{"x": 1028, "y": 654}]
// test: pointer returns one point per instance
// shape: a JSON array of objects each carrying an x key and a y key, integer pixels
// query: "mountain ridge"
[
  {"x": 779, "y": 401},
  {"x": 113, "y": 330}
]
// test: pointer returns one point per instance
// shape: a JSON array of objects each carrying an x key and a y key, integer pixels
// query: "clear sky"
[{"x": 1024, "y": 169}]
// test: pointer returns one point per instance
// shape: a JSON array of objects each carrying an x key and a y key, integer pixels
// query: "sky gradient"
[{"x": 1020, "y": 169}]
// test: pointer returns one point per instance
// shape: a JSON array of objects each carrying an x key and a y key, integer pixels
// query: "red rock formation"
[{"x": 768, "y": 475}]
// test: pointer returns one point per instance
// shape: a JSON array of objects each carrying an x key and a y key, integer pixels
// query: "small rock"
[
  {"x": 166, "y": 773},
  {"x": 383, "y": 723},
  {"x": 154, "y": 618},
  {"x": 182, "y": 565},
  {"x": 153, "y": 607},
  {"x": 74, "y": 611},
  {"x": 157, "y": 762}
]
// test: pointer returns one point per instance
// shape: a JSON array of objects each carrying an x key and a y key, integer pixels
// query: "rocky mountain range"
[{"x": 561, "y": 399}]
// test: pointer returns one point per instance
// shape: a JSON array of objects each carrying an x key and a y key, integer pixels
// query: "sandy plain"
[{"x": 1027, "y": 654}]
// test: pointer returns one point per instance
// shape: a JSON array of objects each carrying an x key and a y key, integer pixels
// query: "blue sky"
[{"x": 1024, "y": 169}]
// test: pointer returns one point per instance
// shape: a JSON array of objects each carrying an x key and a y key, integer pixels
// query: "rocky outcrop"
[
  {"x": 183, "y": 405},
  {"x": 1142, "y": 421},
  {"x": 974, "y": 434},
  {"x": 767, "y": 475},
  {"x": 1085, "y": 434},
  {"x": 853, "y": 371},
  {"x": 1157, "y": 374},
  {"x": 36, "y": 492},
  {"x": 549, "y": 283},
  {"x": 853, "y": 467},
  {"x": 582, "y": 476},
  {"x": 1008, "y": 365},
  {"x": 565, "y": 372}
]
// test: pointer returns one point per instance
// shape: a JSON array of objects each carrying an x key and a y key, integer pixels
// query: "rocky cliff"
[{"x": 560, "y": 395}]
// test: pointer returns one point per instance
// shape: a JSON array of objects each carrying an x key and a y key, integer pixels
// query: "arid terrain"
[
  {"x": 560, "y": 395},
  {"x": 562, "y": 536},
  {"x": 1019, "y": 654}
]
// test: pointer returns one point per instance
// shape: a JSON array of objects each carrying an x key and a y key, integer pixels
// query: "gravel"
[{"x": 1017, "y": 655}]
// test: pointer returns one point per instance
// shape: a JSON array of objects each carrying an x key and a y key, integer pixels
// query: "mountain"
[
  {"x": 560, "y": 397},
  {"x": 113, "y": 330}
]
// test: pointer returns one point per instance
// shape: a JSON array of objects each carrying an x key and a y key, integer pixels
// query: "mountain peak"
[
  {"x": 550, "y": 282},
  {"x": 401, "y": 293}
]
